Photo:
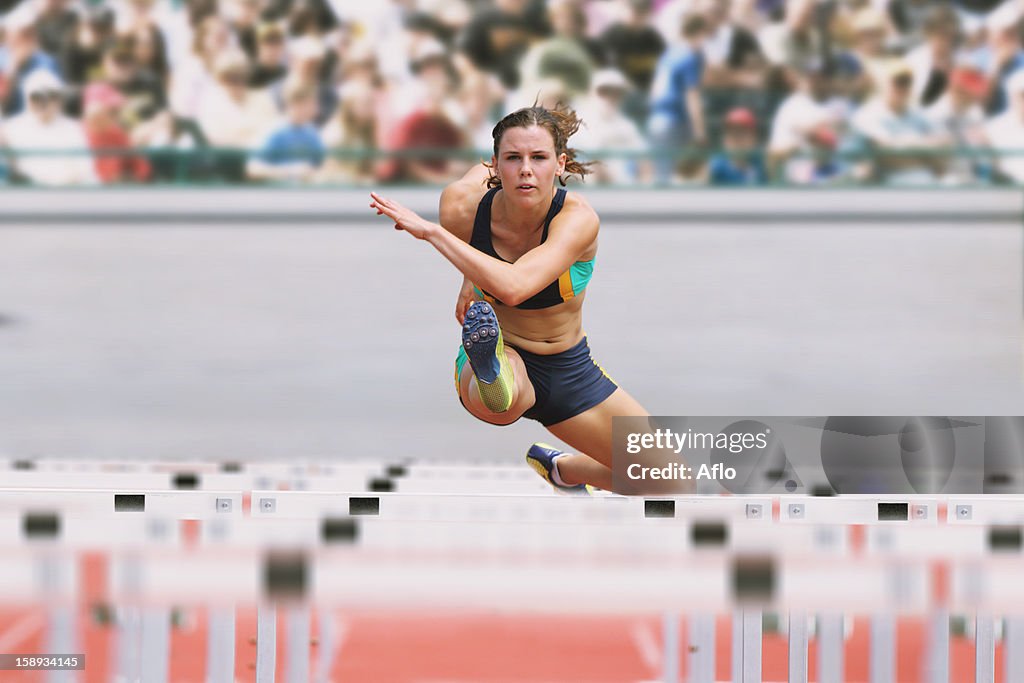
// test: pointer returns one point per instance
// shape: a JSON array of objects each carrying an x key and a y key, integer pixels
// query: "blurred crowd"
[{"x": 723, "y": 92}]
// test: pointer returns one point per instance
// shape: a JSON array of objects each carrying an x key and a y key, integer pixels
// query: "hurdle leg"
[
  {"x": 797, "y": 647},
  {"x": 984, "y": 649},
  {"x": 752, "y": 646},
  {"x": 702, "y": 648},
  {"x": 883, "y": 648},
  {"x": 938, "y": 648},
  {"x": 298, "y": 645},
  {"x": 1013, "y": 648},
  {"x": 266, "y": 644},
  {"x": 746, "y": 646},
  {"x": 129, "y": 638},
  {"x": 830, "y": 648},
  {"x": 325, "y": 657},
  {"x": 670, "y": 647},
  {"x": 156, "y": 633},
  {"x": 220, "y": 645},
  {"x": 60, "y": 639},
  {"x": 60, "y": 634}
]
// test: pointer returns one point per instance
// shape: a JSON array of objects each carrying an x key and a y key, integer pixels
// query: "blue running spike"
[{"x": 541, "y": 457}]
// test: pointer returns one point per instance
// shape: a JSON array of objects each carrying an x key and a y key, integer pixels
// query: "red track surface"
[{"x": 477, "y": 647}]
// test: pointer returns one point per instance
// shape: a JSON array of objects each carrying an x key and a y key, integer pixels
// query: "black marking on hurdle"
[
  {"x": 659, "y": 508},
  {"x": 129, "y": 502},
  {"x": 999, "y": 479},
  {"x": 1005, "y": 539},
  {"x": 709, "y": 534},
  {"x": 339, "y": 530},
  {"x": 774, "y": 474},
  {"x": 286, "y": 575},
  {"x": 186, "y": 480},
  {"x": 364, "y": 505},
  {"x": 753, "y": 579},
  {"x": 381, "y": 485},
  {"x": 893, "y": 512},
  {"x": 230, "y": 467},
  {"x": 41, "y": 525},
  {"x": 771, "y": 622},
  {"x": 397, "y": 471},
  {"x": 822, "y": 491},
  {"x": 23, "y": 465},
  {"x": 102, "y": 614}
]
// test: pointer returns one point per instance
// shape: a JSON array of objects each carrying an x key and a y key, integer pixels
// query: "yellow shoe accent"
[{"x": 497, "y": 395}]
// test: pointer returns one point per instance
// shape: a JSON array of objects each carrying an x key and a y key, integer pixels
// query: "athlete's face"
[{"x": 527, "y": 164}]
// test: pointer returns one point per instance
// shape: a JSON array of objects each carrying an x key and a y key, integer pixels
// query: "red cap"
[
  {"x": 741, "y": 117},
  {"x": 971, "y": 81}
]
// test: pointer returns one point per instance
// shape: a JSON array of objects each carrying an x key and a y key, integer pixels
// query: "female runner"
[{"x": 526, "y": 250}]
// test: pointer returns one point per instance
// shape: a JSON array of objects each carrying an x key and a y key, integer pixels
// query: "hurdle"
[{"x": 352, "y": 538}]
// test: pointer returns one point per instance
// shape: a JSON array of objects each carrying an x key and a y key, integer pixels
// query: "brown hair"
[{"x": 561, "y": 121}]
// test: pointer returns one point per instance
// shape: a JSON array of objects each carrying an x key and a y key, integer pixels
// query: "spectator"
[
  {"x": 960, "y": 120},
  {"x": 633, "y": 46},
  {"x": 911, "y": 19},
  {"x": 144, "y": 94},
  {"x": 811, "y": 106},
  {"x": 234, "y": 116},
  {"x": 293, "y": 150},
  {"x": 429, "y": 127},
  {"x": 243, "y": 18},
  {"x": 42, "y": 128},
  {"x": 24, "y": 56},
  {"x": 150, "y": 53},
  {"x": 932, "y": 61},
  {"x": 607, "y": 128},
  {"x": 270, "y": 65},
  {"x": 567, "y": 56},
  {"x": 740, "y": 162},
  {"x": 822, "y": 166},
  {"x": 797, "y": 36},
  {"x": 1006, "y": 131},
  {"x": 733, "y": 55},
  {"x": 108, "y": 139},
  {"x": 193, "y": 80},
  {"x": 900, "y": 133},
  {"x": 55, "y": 24},
  {"x": 1003, "y": 53},
  {"x": 352, "y": 130},
  {"x": 307, "y": 58},
  {"x": 870, "y": 35},
  {"x": 81, "y": 53},
  {"x": 677, "y": 114},
  {"x": 313, "y": 18},
  {"x": 495, "y": 39},
  {"x": 480, "y": 96}
]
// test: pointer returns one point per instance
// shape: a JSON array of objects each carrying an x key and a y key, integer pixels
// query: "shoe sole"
[{"x": 480, "y": 338}]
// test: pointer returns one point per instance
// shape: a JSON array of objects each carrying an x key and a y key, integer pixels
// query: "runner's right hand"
[{"x": 466, "y": 297}]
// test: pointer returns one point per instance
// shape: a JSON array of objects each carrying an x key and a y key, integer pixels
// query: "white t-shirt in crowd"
[
  {"x": 888, "y": 128},
  {"x": 797, "y": 116},
  {"x": 228, "y": 123},
  {"x": 26, "y": 132},
  {"x": 1006, "y": 132},
  {"x": 605, "y": 129}
]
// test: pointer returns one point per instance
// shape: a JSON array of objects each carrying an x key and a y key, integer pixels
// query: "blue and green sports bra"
[{"x": 568, "y": 285}]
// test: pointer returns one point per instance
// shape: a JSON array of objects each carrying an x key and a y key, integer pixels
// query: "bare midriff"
[{"x": 543, "y": 331}]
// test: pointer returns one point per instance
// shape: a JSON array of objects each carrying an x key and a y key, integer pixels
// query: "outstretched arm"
[{"x": 513, "y": 283}]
